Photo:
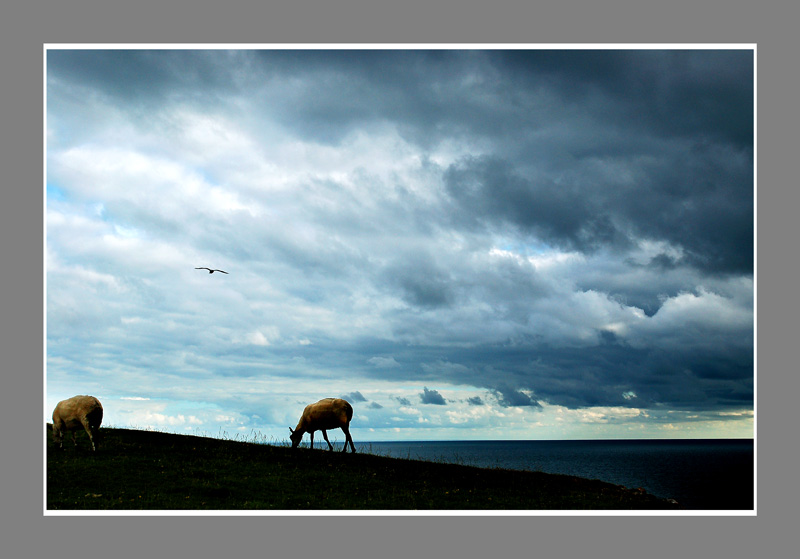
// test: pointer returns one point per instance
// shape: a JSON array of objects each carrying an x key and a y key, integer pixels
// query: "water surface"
[{"x": 710, "y": 474}]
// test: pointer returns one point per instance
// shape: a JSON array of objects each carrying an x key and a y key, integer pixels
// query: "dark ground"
[{"x": 145, "y": 470}]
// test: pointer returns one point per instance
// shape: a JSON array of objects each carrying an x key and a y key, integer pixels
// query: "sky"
[{"x": 487, "y": 243}]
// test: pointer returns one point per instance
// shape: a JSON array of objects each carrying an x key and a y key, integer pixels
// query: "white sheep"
[
  {"x": 75, "y": 413},
  {"x": 328, "y": 413}
]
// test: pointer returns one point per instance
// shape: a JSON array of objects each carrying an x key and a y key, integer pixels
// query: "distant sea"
[{"x": 706, "y": 474}]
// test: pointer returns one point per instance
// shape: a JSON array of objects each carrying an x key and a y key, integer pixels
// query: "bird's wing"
[{"x": 223, "y": 271}]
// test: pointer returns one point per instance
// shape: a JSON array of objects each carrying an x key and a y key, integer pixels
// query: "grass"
[{"x": 149, "y": 470}]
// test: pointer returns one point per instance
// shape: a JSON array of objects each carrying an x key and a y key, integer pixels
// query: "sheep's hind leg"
[
  {"x": 348, "y": 438},
  {"x": 88, "y": 429}
]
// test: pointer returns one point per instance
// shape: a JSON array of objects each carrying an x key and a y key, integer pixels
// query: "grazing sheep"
[
  {"x": 328, "y": 413},
  {"x": 75, "y": 413}
]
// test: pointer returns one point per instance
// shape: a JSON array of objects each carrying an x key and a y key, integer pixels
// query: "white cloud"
[
  {"x": 409, "y": 410},
  {"x": 264, "y": 336},
  {"x": 682, "y": 318}
]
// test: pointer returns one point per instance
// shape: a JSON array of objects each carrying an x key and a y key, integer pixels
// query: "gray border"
[{"x": 25, "y": 27}]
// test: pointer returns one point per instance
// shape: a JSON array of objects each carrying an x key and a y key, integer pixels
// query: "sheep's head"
[{"x": 296, "y": 437}]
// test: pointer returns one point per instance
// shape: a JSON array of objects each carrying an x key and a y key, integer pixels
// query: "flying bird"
[{"x": 211, "y": 270}]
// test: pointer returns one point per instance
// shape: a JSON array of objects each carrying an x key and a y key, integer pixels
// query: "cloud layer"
[{"x": 473, "y": 233}]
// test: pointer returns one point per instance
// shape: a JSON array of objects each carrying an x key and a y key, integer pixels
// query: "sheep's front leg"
[
  {"x": 325, "y": 436},
  {"x": 58, "y": 437}
]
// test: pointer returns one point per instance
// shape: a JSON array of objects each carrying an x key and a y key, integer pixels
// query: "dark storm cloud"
[
  {"x": 694, "y": 374},
  {"x": 677, "y": 92},
  {"x": 431, "y": 397},
  {"x": 509, "y": 95},
  {"x": 508, "y": 396},
  {"x": 682, "y": 174},
  {"x": 147, "y": 76},
  {"x": 475, "y": 401},
  {"x": 420, "y": 281},
  {"x": 699, "y": 199},
  {"x": 487, "y": 189}
]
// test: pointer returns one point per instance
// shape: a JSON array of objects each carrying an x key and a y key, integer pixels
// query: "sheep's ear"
[{"x": 291, "y": 430}]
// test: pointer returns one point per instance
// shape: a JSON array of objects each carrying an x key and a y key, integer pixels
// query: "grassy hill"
[{"x": 145, "y": 470}]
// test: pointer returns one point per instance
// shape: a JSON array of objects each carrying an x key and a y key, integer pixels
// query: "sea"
[{"x": 700, "y": 474}]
